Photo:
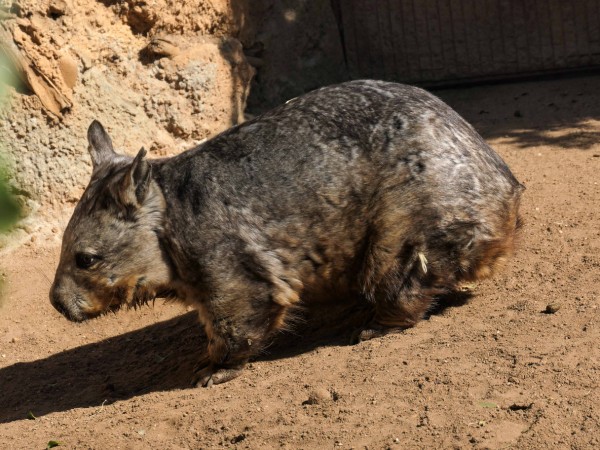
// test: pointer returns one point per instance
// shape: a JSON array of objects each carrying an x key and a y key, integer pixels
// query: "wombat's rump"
[{"x": 366, "y": 188}]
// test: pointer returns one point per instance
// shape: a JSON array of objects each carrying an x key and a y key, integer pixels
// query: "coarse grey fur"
[{"x": 367, "y": 189}]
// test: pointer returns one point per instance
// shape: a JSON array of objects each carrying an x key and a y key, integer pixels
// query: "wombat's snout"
[
  {"x": 60, "y": 308},
  {"x": 55, "y": 299},
  {"x": 58, "y": 301}
]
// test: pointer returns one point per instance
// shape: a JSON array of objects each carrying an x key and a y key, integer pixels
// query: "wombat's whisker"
[{"x": 41, "y": 272}]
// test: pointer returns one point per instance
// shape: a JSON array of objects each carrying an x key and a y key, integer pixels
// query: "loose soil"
[{"x": 491, "y": 371}]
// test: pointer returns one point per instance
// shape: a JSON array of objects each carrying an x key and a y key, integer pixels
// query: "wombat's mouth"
[
  {"x": 83, "y": 314},
  {"x": 120, "y": 299},
  {"x": 82, "y": 310},
  {"x": 79, "y": 305},
  {"x": 115, "y": 305},
  {"x": 75, "y": 316}
]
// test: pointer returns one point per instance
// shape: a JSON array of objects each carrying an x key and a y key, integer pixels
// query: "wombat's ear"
[
  {"x": 137, "y": 180},
  {"x": 101, "y": 148}
]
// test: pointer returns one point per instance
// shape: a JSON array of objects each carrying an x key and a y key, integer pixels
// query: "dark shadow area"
[
  {"x": 241, "y": 76},
  {"x": 582, "y": 140},
  {"x": 555, "y": 111},
  {"x": 451, "y": 300},
  {"x": 147, "y": 57},
  {"x": 159, "y": 357},
  {"x": 293, "y": 46}
]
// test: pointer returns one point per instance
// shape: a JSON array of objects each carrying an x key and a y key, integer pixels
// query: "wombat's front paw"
[{"x": 205, "y": 375}]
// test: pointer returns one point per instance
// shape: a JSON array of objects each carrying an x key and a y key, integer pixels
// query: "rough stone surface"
[
  {"x": 162, "y": 74},
  {"x": 82, "y": 59}
]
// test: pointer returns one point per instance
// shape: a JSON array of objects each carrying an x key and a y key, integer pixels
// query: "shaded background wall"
[
  {"x": 426, "y": 42},
  {"x": 440, "y": 41},
  {"x": 294, "y": 45}
]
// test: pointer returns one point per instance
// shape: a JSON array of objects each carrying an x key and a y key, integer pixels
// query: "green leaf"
[
  {"x": 9, "y": 208},
  {"x": 30, "y": 416},
  {"x": 52, "y": 444}
]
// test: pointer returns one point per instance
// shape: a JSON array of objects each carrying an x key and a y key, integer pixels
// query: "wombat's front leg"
[
  {"x": 227, "y": 356},
  {"x": 238, "y": 326},
  {"x": 206, "y": 373}
]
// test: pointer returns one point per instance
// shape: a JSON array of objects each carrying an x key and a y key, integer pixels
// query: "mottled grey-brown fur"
[{"x": 365, "y": 189}]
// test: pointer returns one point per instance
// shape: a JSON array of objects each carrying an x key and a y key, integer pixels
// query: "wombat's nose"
[
  {"x": 60, "y": 308},
  {"x": 55, "y": 299}
]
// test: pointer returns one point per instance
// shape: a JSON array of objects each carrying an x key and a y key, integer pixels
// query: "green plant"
[{"x": 9, "y": 208}]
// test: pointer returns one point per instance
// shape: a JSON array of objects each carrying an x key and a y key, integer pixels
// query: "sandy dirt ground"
[{"x": 491, "y": 371}]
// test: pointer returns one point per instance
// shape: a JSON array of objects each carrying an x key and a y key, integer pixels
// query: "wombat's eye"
[{"x": 85, "y": 260}]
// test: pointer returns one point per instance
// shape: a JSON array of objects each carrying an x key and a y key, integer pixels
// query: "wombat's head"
[{"x": 111, "y": 253}]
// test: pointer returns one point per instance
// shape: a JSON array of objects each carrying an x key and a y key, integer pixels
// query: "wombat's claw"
[
  {"x": 208, "y": 376},
  {"x": 373, "y": 331},
  {"x": 203, "y": 377},
  {"x": 366, "y": 334}
]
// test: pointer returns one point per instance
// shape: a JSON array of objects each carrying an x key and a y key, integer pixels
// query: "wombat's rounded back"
[{"x": 347, "y": 178}]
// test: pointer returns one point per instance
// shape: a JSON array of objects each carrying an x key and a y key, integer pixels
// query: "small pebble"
[
  {"x": 552, "y": 308},
  {"x": 318, "y": 396}
]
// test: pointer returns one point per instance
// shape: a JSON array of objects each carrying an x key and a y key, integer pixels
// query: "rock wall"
[
  {"x": 114, "y": 61},
  {"x": 163, "y": 74}
]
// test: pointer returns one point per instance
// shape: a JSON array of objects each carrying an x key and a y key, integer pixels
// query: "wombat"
[{"x": 369, "y": 189}]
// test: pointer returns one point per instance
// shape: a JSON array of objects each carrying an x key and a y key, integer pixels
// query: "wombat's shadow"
[{"x": 159, "y": 357}]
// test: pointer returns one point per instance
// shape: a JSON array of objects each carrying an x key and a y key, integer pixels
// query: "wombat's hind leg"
[
  {"x": 394, "y": 316},
  {"x": 402, "y": 296}
]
